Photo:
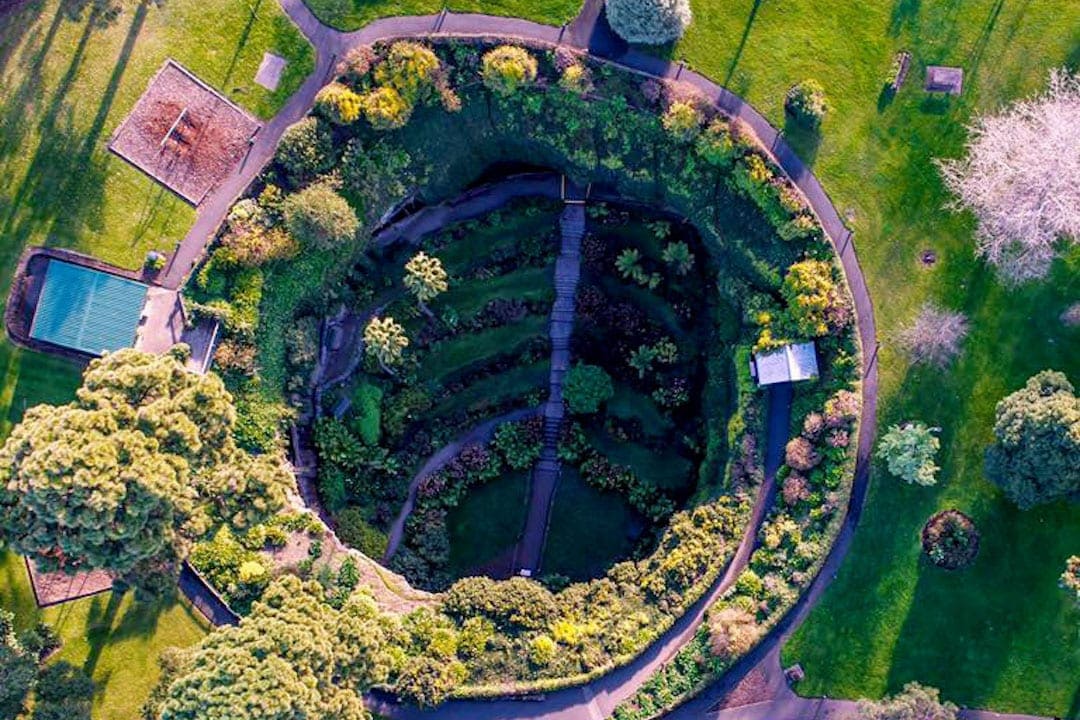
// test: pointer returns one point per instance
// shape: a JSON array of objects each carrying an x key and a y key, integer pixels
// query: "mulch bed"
[
  {"x": 53, "y": 588},
  {"x": 752, "y": 688},
  {"x": 184, "y": 134}
]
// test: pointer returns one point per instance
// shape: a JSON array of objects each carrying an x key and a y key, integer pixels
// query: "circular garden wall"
[{"x": 425, "y": 344}]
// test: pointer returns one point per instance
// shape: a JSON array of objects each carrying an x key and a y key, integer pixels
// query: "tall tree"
[
  {"x": 293, "y": 657},
  {"x": 122, "y": 478},
  {"x": 425, "y": 278},
  {"x": 1036, "y": 454},
  {"x": 1019, "y": 179}
]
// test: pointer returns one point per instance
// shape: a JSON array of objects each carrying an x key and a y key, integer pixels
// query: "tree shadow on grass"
[
  {"x": 803, "y": 139},
  {"x": 63, "y": 190},
  {"x": 904, "y": 12},
  {"x": 240, "y": 44},
  {"x": 962, "y": 631},
  {"x": 742, "y": 43}
]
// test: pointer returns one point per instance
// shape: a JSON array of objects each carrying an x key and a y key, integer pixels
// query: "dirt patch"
[{"x": 184, "y": 134}]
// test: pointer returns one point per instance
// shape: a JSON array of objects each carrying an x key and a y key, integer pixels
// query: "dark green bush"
[
  {"x": 320, "y": 218},
  {"x": 305, "y": 150}
]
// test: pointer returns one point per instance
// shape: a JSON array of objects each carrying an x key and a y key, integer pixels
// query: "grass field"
[
  {"x": 111, "y": 637},
  {"x": 588, "y": 531},
  {"x": 1000, "y": 635},
  {"x": 460, "y": 352},
  {"x": 527, "y": 284},
  {"x": 487, "y": 522}
]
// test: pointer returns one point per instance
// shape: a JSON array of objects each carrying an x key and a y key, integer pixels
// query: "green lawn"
[
  {"x": 588, "y": 529},
  {"x": 110, "y": 636},
  {"x": 629, "y": 404},
  {"x": 666, "y": 470},
  {"x": 354, "y": 14},
  {"x": 487, "y": 522},
  {"x": 527, "y": 284},
  {"x": 1000, "y": 635},
  {"x": 469, "y": 348},
  {"x": 495, "y": 389}
]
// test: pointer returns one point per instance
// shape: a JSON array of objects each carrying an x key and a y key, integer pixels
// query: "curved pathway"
[
  {"x": 477, "y": 436},
  {"x": 588, "y": 33}
]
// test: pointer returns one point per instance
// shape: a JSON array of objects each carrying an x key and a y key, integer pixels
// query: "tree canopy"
[
  {"x": 1036, "y": 454},
  {"x": 1019, "y": 179},
  {"x": 122, "y": 478},
  {"x": 909, "y": 450}
]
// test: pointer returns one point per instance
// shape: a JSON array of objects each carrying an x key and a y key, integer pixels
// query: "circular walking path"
[{"x": 589, "y": 33}]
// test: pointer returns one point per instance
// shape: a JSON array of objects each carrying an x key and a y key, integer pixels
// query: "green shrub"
[
  {"x": 1035, "y": 457},
  {"x": 649, "y": 22},
  {"x": 338, "y": 104},
  {"x": 805, "y": 102},
  {"x": 354, "y": 531},
  {"x": 367, "y": 412},
  {"x": 411, "y": 69},
  {"x": 258, "y": 422},
  {"x": 520, "y": 442},
  {"x": 586, "y": 388},
  {"x": 320, "y": 218},
  {"x": 909, "y": 450},
  {"x": 715, "y": 144},
  {"x": 385, "y": 109},
  {"x": 507, "y": 69},
  {"x": 305, "y": 150},
  {"x": 682, "y": 120}
]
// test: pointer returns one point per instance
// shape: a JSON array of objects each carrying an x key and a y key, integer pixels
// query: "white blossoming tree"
[{"x": 1019, "y": 178}]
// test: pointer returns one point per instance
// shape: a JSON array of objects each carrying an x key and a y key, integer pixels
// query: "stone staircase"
[{"x": 545, "y": 476}]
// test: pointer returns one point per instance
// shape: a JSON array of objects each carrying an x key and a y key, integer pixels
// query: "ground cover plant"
[
  {"x": 778, "y": 284},
  {"x": 875, "y": 156}
]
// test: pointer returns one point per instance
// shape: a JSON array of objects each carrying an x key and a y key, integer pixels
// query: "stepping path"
[{"x": 545, "y": 476}]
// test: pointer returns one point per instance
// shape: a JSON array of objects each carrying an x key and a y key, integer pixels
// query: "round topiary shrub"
[
  {"x": 306, "y": 149},
  {"x": 318, "y": 217},
  {"x": 805, "y": 102},
  {"x": 586, "y": 388},
  {"x": 649, "y": 22},
  {"x": 950, "y": 540},
  {"x": 338, "y": 104},
  {"x": 508, "y": 68},
  {"x": 385, "y": 109}
]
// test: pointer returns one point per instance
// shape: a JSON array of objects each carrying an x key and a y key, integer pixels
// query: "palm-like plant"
[
  {"x": 385, "y": 340},
  {"x": 425, "y": 278}
]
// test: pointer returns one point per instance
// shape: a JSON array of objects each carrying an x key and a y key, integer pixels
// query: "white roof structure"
[{"x": 790, "y": 363}]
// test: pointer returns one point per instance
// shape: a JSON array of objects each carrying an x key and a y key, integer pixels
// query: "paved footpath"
[{"x": 587, "y": 33}]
